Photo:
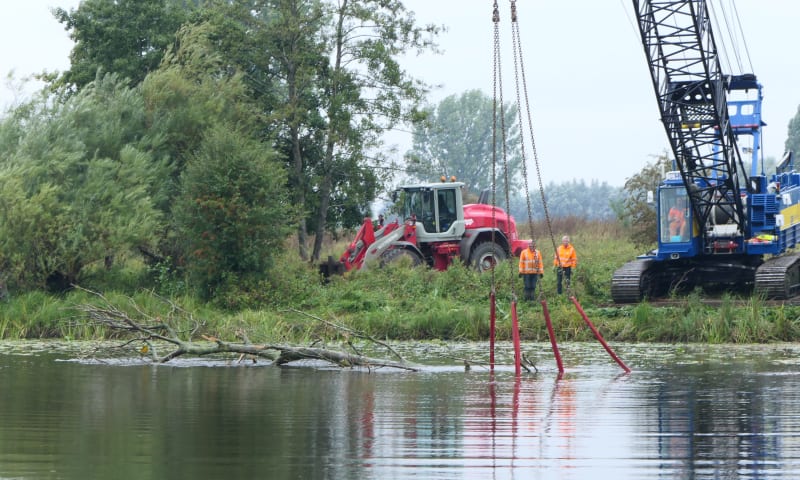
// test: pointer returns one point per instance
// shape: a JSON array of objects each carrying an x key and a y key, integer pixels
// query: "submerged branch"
[
  {"x": 352, "y": 332},
  {"x": 152, "y": 331}
]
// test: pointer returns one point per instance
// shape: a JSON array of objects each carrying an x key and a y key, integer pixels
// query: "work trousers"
[
  {"x": 530, "y": 280},
  {"x": 565, "y": 274}
]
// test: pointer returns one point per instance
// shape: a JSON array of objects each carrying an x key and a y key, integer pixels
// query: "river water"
[{"x": 685, "y": 412}]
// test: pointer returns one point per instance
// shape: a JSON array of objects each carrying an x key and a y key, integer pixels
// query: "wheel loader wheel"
[
  {"x": 486, "y": 256},
  {"x": 400, "y": 256}
]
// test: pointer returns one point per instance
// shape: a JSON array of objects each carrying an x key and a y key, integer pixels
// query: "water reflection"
[{"x": 685, "y": 412}]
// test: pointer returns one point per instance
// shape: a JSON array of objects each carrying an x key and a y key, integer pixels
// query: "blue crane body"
[{"x": 718, "y": 225}]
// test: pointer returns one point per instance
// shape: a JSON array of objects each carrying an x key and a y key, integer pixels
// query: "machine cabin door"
[{"x": 438, "y": 211}]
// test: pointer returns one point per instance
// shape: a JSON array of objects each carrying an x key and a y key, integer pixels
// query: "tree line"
[
  {"x": 196, "y": 137},
  {"x": 199, "y": 135}
]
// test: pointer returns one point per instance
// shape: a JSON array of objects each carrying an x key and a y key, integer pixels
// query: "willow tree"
[
  {"x": 229, "y": 209},
  {"x": 76, "y": 183}
]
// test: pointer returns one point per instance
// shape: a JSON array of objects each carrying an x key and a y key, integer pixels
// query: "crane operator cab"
[
  {"x": 437, "y": 209},
  {"x": 675, "y": 215},
  {"x": 677, "y": 233}
]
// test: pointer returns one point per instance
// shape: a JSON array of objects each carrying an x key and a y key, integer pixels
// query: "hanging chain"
[
  {"x": 499, "y": 106},
  {"x": 495, "y": 79},
  {"x": 507, "y": 184},
  {"x": 517, "y": 59},
  {"x": 520, "y": 71}
]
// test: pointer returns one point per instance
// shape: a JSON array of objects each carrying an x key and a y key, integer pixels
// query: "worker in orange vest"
[
  {"x": 531, "y": 268},
  {"x": 677, "y": 220},
  {"x": 565, "y": 260}
]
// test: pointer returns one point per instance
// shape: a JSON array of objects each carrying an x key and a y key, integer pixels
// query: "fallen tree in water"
[{"x": 150, "y": 335}]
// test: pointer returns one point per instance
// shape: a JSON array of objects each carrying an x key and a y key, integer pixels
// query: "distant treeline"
[{"x": 576, "y": 198}]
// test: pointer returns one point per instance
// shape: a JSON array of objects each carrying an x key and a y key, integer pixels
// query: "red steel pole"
[
  {"x": 492, "y": 319},
  {"x": 598, "y": 336},
  {"x": 552, "y": 338},
  {"x": 515, "y": 335}
]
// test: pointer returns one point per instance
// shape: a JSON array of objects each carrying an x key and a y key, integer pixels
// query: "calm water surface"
[{"x": 690, "y": 412}]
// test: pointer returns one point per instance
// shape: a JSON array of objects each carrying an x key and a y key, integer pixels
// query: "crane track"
[
  {"x": 779, "y": 277},
  {"x": 708, "y": 301},
  {"x": 777, "y": 280},
  {"x": 626, "y": 284}
]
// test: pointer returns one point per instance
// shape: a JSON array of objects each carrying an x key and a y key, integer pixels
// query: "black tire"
[
  {"x": 486, "y": 256},
  {"x": 400, "y": 255}
]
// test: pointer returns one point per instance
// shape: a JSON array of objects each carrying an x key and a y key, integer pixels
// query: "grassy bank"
[{"x": 403, "y": 303}]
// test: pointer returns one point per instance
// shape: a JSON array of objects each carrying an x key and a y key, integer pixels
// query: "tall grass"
[
  {"x": 399, "y": 302},
  {"x": 33, "y": 315}
]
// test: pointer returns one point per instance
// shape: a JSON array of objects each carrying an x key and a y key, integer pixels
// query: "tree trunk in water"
[{"x": 152, "y": 334}]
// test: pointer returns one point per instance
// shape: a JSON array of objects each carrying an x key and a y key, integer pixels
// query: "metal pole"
[
  {"x": 492, "y": 319},
  {"x": 552, "y": 335},
  {"x": 515, "y": 335},
  {"x": 598, "y": 336}
]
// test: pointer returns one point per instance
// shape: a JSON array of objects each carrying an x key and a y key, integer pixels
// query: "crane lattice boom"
[{"x": 691, "y": 92}]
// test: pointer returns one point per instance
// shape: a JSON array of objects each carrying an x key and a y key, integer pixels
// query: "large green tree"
[
  {"x": 363, "y": 92},
  {"x": 193, "y": 89},
  {"x": 233, "y": 214},
  {"x": 793, "y": 135},
  {"x": 226, "y": 189},
  {"x": 457, "y": 140},
  {"x": 126, "y": 37},
  {"x": 76, "y": 184},
  {"x": 291, "y": 35}
]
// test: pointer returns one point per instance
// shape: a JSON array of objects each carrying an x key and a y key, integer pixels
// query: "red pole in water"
[
  {"x": 492, "y": 318},
  {"x": 515, "y": 335},
  {"x": 598, "y": 336},
  {"x": 552, "y": 338}
]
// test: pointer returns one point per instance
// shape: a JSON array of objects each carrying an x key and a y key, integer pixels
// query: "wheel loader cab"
[{"x": 437, "y": 208}]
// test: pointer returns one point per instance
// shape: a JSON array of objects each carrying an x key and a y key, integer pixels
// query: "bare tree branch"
[
  {"x": 351, "y": 331},
  {"x": 152, "y": 331}
]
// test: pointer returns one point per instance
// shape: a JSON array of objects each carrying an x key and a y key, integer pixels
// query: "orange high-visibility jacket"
[
  {"x": 530, "y": 262},
  {"x": 567, "y": 256},
  {"x": 677, "y": 221}
]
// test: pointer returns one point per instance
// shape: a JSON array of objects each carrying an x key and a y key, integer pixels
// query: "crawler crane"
[{"x": 719, "y": 225}]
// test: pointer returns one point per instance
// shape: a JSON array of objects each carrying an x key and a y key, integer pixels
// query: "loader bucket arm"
[{"x": 353, "y": 256}]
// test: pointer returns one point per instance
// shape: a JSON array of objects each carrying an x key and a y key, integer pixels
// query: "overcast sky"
[
  {"x": 593, "y": 106},
  {"x": 595, "y": 114},
  {"x": 32, "y": 41}
]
